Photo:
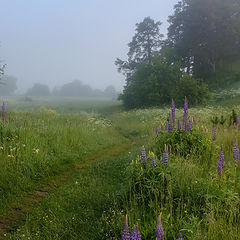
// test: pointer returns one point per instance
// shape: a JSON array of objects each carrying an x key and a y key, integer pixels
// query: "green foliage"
[
  {"x": 145, "y": 42},
  {"x": 151, "y": 84},
  {"x": 195, "y": 90},
  {"x": 194, "y": 142},
  {"x": 157, "y": 83},
  {"x": 205, "y": 33}
]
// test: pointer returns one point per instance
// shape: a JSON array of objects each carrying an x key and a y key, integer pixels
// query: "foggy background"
[{"x": 55, "y": 42}]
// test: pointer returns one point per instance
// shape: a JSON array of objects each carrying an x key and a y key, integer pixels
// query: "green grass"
[
  {"x": 74, "y": 210},
  {"x": 63, "y": 105},
  {"x": 82, "y": 162}
]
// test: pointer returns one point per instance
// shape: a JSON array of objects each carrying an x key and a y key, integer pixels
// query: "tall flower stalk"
[
  {"x": 214, "y": 133},
  {"x": 173, "y": 112},
  {"x": 144, "y": 157},
  {"x": 235, "y": 152},
  {"x": 170, "y": 123},
  {"x": 125, "y": 233},
  {"x": 165, "y": 157},
  {"x": 135, "y": 233},
  {"x": 180, "y": 237},
  {"x": 159, "y": 231}
]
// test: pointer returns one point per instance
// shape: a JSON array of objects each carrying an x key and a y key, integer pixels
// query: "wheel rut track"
[{"x": 16, "y": 212}]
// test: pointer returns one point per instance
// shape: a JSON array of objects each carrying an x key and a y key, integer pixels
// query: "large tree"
[
  {"x": 145, "y": 42},
  {"x": 205, "y": 33}
]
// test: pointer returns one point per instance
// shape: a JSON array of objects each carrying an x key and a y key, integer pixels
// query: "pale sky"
[{"x": 56, "y": 41}]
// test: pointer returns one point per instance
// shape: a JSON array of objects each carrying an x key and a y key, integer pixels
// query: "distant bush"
[
  {"x": 196, "y": 90},
  {"x": 194, "y": 142},
  {"x": 38, "y": 90}
]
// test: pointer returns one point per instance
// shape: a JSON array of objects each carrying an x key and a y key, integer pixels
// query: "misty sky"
[{"x": 56, "y": 41}]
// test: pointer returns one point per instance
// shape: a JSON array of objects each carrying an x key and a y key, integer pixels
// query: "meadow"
[{"x": 74, "y": 169}]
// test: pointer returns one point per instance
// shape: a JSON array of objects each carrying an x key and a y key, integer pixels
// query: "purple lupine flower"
[
  {"x": 144, "y": 157},
  {"x": 159, "y": 231},
  {"x": 235, "y": 152},
  {"x": 165, "y": 157},
  {"x": 125, "y": 233},
  {"x": 180, "y": 237},
  {"x": 214, "y": 133},
  {"x": 153, "y": 163},
  {"x": 42, "y": 124},
  {"x": 170, "y": 123},
  {"x": 235, "y": 126},
  {"x": 179, "y": 125},
  {"x": 135, "y": 234},
  {"x": 157, "y": 131},
  {"x": 173, "y": 112},
  {"x": 3, "y": 112},
  {"x": 186, "y": 115},
  {"x": 222, "y": 158}
]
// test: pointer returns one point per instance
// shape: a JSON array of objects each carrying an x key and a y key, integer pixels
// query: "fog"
[{"x": 55, "y": 42}]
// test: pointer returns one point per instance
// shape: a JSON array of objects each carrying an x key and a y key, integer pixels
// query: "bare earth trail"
[{"x": 17, "y": 213}]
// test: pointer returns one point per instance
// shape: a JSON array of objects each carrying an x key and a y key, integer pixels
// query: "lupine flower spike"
[
  {"x": 135, "y": 234},
  {"x": 180, "y": 237},
  {"x": 173, "y": 112},
  {"x": 157, "y": 131},
  {"x": 186, "y": 115},
  {"x": 214, "y": 133},
  {"x": 42, "y": 124},
  {"x": 165, "y": 157},
  {"x": 125, "y": 233},
  {"x": 144, "y": 157},
  {"x": 235, "y": 152},
  {"x": 222, "y": 158},
  {"x": 159, "y": 231},
  {"x": 170, "y": 123}
]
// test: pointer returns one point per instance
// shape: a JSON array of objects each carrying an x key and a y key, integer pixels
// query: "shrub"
[{"x": 194, "y": 142}]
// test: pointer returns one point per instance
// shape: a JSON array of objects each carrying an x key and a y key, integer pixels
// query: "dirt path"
[{"x": 17, "y": 212}]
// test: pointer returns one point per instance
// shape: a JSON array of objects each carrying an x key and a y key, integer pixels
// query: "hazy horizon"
[{"x": 55, "y": 42}]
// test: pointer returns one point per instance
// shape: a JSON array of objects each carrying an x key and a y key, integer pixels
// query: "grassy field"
[{"x": 72, "y": 169}]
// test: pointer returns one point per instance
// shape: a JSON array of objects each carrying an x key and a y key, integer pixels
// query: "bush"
[
  {"x": 195, "y": 90},
  {"x": 194, "y": 142}
]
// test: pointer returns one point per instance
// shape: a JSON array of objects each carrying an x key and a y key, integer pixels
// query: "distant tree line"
[
  {"x": 201, "y": 52},
  {"x": 72, "y": 89}
]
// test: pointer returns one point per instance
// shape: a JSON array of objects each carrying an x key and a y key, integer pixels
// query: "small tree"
[{"x": 145, "y": 42}]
